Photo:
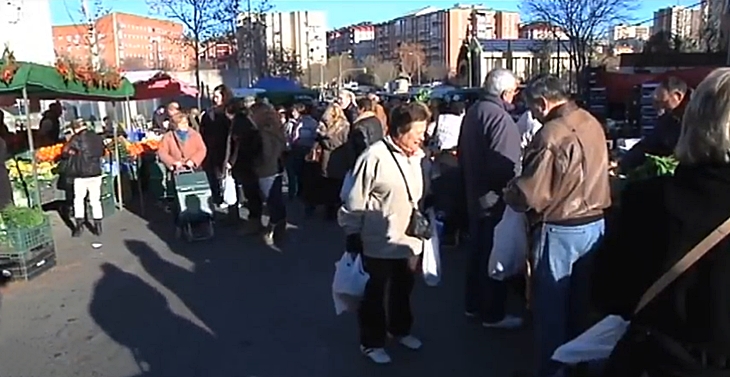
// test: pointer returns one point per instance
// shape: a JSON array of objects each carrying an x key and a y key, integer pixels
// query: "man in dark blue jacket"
[
  {"x": 489, "y": 155},
  {"x": 672, "y": 96}
]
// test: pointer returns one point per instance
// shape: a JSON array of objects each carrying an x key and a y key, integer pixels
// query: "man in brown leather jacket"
[{"x": 563, "y": 189}]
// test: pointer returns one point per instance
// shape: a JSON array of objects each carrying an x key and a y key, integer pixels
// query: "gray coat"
[{"x": 489, "y": 155}]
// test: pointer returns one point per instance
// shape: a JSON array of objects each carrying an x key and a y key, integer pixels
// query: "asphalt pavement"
[{"x": 146, "y": 304}]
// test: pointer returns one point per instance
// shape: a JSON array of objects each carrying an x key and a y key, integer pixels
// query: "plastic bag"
[
  {"x": 228, "y": 187},
  {"x": 348, "y": 285},
  {"x": 347, "y": 186},
  {"x": 510, "y": 247},
  {"x": 431, "y": 263},
  {"x": 595, "y": 343}
]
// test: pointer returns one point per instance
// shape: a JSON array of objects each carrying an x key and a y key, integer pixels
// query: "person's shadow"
[{"x": 137, "y": 316}]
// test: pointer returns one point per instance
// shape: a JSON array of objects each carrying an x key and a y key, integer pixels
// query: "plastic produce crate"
[
  {"x": 20, "y": 241},
  {"x": 108, "y": 205},
  {"x": 31, "y": 264}
]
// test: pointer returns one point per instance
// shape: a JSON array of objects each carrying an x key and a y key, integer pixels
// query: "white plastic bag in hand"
[
  {"x": 229, "y": 191},
  {"x": 348, "y": 285},
  {"x": 431, "y": 263},
  {"x": 509, "y": 250},
  {"x": 595, "y": 343}
]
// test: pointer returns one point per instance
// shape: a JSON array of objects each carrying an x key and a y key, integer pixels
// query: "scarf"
[{"x": 182, "y": 135}]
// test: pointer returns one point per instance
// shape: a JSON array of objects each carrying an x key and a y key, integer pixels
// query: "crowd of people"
[{"x": 377, "y": 168}]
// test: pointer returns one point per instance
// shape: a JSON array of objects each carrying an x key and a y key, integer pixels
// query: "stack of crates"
[{"x": 29, "y": 252}]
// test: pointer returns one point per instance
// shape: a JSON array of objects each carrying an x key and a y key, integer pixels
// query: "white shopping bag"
[
  {"x": 509, "y": 250},
  {"x": 229, "y": 191},
  {"x": 431, "y": 263},
  {"x": 595, "y": 343},
  {"x": 347, "y": 186},
  {"x": 348, "y": 285}
]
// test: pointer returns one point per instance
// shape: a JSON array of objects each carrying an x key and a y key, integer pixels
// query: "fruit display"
[
  {"x": 128, "y": 149},
  {"x": 24, "y": 169},
  {"x": 49, "y": 153}
]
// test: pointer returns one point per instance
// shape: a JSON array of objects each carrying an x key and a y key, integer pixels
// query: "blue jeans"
[
  {"x": 273, "y": 197},
  {"x": 485, "y": 296},
  {"x": 561, "y": 293}
]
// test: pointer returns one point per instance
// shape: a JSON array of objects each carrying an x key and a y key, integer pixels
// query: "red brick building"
[{"x": 128, "y": 41}]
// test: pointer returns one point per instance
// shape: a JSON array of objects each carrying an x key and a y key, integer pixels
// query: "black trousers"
[
  {"x": 397, "y": 276},
  {"x": 252, "y": 195}
]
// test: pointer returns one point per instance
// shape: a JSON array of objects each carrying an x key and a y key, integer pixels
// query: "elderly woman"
[
  {"x": 685, "y": 330},
  {"x": 181, "y": 146},
  {"x": 389, "y": 185},
  {"x": 327, "y": 162}
]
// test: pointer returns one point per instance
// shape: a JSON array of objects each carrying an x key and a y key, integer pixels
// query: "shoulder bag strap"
[
  {"x": 405, "y": 180},
  {"x": 177, "y": 142},
  {"x": 697, "y": 252}
]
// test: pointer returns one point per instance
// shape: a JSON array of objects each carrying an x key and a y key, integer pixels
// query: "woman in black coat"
[
  {"x": 6, "y": 188},
  {"x": 685, "y": 329}
]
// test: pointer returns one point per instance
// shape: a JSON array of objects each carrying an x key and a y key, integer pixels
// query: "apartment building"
[
  {"x": 541, "y": 30},
  {"x": 679, "y": 21},
  {"x": 623, "y": 32},
  {"x": 126, "y": 40},
  {"x": 302, "y": 34},
  {"x": 358, "y": 41},
  {"x": 440, "y": 32}
]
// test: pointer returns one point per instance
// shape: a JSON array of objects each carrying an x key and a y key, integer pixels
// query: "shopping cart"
[{"x": 193, "y": 204}]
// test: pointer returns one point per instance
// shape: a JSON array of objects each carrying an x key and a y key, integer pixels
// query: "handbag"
[
  {"x": 419, "y": 225},
  {"x": 314, "y": 154},
  {"x": 629, "y": 357}
]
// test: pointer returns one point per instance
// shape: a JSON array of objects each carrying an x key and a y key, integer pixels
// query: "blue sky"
[{"x": 339, "y": 12}]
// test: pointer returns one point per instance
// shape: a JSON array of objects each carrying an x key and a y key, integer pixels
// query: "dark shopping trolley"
[{"x": 193, "y": 204}]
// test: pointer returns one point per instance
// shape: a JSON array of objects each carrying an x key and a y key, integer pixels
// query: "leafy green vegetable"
[
  {"x": 423, "y": 96},
  {"x": 21, "y": 217},
  {"x": 654, "y": 166}
]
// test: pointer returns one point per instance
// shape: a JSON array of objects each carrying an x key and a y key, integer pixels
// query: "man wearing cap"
[{"x": 83, "y": 155}]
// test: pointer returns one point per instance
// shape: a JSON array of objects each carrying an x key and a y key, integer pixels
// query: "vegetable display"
[{"x": 654, "y": 166}]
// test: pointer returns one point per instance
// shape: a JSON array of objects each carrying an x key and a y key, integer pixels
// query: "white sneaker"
[
  {"x": 410, "y": 342},
  {"x": 377, "y": 355},
  {"x": 470, "y": 314},
  {"x": 509, "y": 322}
]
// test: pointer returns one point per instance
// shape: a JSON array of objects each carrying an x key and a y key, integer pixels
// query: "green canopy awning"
[{"x": 44, "y": 82}]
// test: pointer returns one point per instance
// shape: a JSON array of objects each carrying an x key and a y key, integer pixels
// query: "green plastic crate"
[
  {"x": 19, "y": 241},
  {"x": 108, "y": 206}
]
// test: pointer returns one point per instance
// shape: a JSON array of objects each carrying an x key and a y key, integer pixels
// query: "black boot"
[
  {"x": 79, "y": 228},
  {"x": 97, "y": 227}
]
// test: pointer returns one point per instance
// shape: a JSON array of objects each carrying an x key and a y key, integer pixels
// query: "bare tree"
[
  {"x": 134, "y": 64},
  {"x": 202, "y": 22},
  {"x": 412, "y": 59},
  {"x": 710, "y": 33},
  {"x": 250, "y": 33},
  {"x": 583, "y": 21},
  {"x": 384, "y": 71},
  {"x": 87, "y": 17},
  {"x": 339, "y": 67},
  {"x": 437, "y": 72}
]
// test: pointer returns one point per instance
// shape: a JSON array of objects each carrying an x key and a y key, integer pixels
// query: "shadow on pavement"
[{"x": 137, "y": 316}]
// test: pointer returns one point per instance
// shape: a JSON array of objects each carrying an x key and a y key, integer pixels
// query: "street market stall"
[{"x": 26, "y": 242}]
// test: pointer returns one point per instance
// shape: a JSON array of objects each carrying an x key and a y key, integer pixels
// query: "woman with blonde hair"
[
  {"x": 684, "y": 330},
  {"x": 326, "y": 162}
]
